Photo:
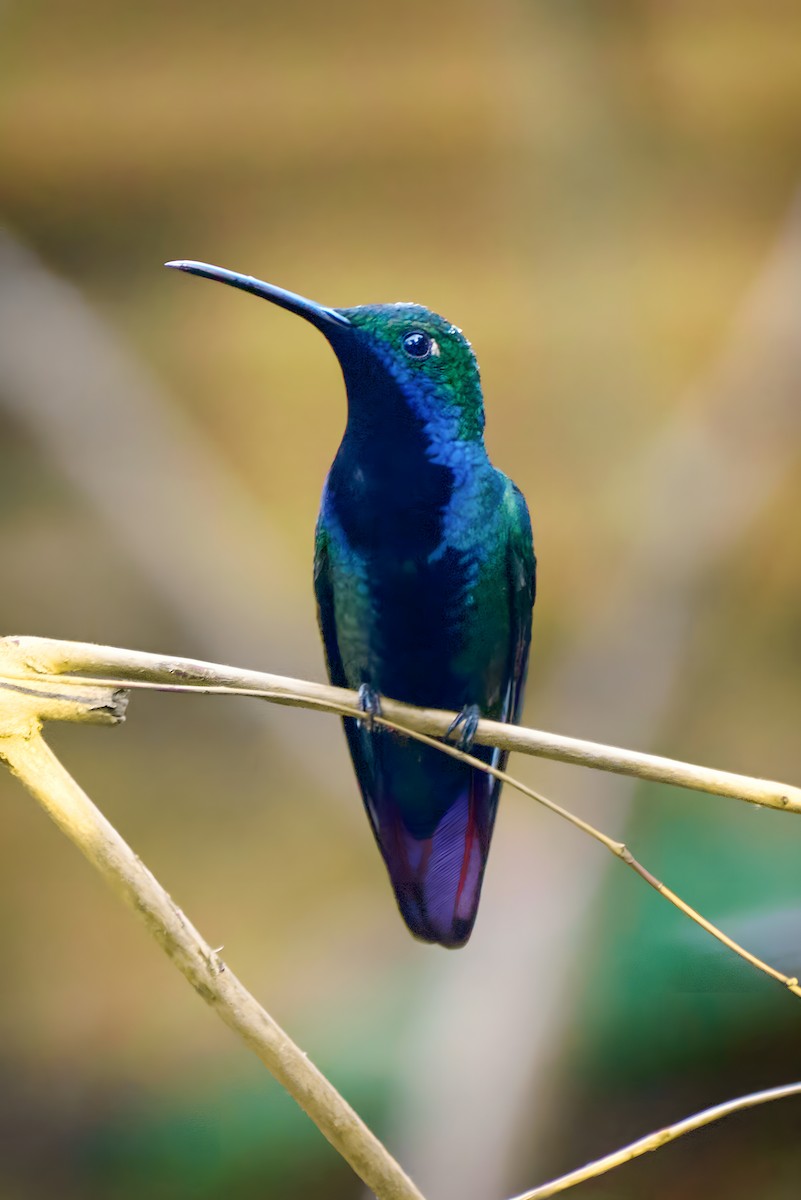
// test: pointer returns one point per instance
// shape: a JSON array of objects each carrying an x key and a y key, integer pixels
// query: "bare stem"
[
  {"x": 32, "y": 761},
  {"x": 619, "y": 850},
  {"x": 55, "y": 661},
  {"x": 654, "y": 1141}
]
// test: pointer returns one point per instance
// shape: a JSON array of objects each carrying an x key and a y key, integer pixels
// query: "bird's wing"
[
  {"x": 365, "y": 750},
  {"x": 521, "y": 566},
  {"x": 324, "y": 591}
]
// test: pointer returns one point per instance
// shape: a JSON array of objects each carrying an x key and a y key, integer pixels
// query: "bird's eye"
[{"x": 417, "y": 344}]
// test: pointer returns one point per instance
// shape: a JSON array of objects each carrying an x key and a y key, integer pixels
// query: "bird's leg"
[
  {"x": 467, "y": 724},
  {"x": 370, "y": 704}
]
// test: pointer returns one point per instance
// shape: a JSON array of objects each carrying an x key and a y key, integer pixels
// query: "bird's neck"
[
  {"x": 395, "y": 472},
  {"x": 388, "y": 421}
]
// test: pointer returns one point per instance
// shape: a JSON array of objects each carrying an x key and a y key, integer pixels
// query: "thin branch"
[
  {"x": 654, "y": 1141},
  {"x": 22, "y": 657},
  {"x": 619, "y": 849},
  {"x": 32, "y": 761}
]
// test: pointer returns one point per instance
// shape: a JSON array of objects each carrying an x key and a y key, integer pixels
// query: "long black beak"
[{"x": 318, "y": 314}]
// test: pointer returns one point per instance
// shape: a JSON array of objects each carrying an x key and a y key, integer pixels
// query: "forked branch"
[
  {"x": 41, "y": 679},
  {"x": 24, "y": 750}
]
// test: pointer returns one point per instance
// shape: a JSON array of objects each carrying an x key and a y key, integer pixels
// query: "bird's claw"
[
  {"x": 467, "y": 724},
  {"x": 370, "y": 704}
]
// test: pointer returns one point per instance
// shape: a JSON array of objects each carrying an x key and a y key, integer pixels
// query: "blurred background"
[{"x": 605, "y": 197}]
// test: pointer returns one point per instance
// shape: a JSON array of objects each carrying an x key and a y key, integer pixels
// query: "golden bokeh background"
[{"x": 605, "y": 197}]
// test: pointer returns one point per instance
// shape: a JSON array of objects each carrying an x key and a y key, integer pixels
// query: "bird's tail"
[{"x": 437, "y": 878}]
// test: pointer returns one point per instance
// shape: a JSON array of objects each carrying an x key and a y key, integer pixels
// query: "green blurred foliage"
[{"x": 589, "y": 190}]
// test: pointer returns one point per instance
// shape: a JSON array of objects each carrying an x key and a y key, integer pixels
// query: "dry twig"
[{"x": 654, "y": 1141}]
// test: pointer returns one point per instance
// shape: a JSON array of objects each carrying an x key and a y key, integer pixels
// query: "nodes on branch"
[{"x": 25, "y": 701}]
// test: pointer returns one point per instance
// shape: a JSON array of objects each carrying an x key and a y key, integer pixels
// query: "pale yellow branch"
[
  {"x": 37, "y": 767},
  {"x": 34, "y": 700},
  {"x": 34, "y": 686},
  {"x": 24, "y": 657},
  {"x": 654, "y": 1141}
]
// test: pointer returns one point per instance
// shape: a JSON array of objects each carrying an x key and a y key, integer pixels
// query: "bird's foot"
[
  {"x": 466, "y": 724},
  {"x": 370, "y": 704}
]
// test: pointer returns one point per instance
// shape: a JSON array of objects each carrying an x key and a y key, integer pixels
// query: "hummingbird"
[{"x": 424, "y": 575}]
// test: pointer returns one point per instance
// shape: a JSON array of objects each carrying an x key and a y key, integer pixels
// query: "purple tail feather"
[{"x": 437, "y": 879}]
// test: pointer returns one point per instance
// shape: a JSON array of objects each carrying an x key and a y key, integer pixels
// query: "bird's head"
[{"x": 428, "y": 358}]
